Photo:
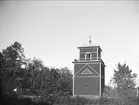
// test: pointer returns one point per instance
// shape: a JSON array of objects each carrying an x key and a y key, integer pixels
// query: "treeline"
[
  {"x": 25, "y": 77},
  {"x": 27, "y": 81}
]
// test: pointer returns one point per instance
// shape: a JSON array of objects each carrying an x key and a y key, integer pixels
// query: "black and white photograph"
[{"x": 69, "y": 52}]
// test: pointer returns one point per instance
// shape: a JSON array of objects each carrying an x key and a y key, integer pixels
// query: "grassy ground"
[{"x": 10, "y": 100}]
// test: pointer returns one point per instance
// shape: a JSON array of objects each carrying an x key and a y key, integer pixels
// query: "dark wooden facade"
[{"x": 89, "y": 72}]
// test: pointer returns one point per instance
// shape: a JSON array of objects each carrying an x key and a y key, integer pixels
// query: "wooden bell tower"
[{"x": 89, "y": 72}]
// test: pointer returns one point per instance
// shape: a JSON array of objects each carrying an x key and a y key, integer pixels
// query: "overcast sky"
[{"x": 52, "y": 31}]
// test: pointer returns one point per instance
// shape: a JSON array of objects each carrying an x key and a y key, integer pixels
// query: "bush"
[
  {"x": 76, "y": 101},
  {"x": 8, "y": 99},
  {"x": 24, "y": 101},
  {"x": 135, "y": 100}
]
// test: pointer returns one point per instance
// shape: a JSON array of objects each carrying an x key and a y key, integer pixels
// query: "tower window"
[
  {"x": 88, "y": 56},
  {"x": 86, "y": 86}
]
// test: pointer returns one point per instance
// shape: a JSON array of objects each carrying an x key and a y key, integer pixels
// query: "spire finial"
[{"x": 90, "y": 40}]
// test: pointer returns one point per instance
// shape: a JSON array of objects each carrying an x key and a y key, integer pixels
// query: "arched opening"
[{"x": 88, "y": 56}]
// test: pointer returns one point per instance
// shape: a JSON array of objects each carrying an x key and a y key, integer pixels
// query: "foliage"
[
  {"x": 47, "y": 83},
  {"x": 123, "y": 79},
  {"x": 107, "y": 90},
  {"x": 50, "y": 86},
  {"x": 66, "y": 100},
  {"x": 11, "y": 66},
  {"x": 124, "y": 82},
  {"x": 31, "y": 76},
  {"x": 66, "y": 81}
]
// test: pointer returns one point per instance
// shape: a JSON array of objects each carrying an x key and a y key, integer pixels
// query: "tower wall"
[
  {"x": 87, "y": 86},
  {"x": 89, "y": 70}
]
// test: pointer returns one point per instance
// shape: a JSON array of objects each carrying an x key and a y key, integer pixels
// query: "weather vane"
[{"x": 90, "y": 40}]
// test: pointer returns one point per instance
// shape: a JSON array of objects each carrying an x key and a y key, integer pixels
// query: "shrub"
[
  {"x": 8, "y": 99},
  {"x": 76, "y": 101},
  {"x": 24, "y": 101}
]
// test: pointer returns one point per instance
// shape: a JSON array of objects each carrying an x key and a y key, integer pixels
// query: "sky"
[{"x": 52, "y": 30}]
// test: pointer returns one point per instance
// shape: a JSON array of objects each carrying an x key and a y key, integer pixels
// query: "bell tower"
[{"x": 89, "y": 71}]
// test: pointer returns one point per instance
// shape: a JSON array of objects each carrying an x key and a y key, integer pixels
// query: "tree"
[
  {"x": 49, "y": 90},
  {"x": 53, "y": 83},
  {"x": 33, "y": 75},
  {"x": 66, "y": 81},
  {"x": 46, "y": 83},
  {"x": 11, "y": 66},
  {"x": 124, "y": 80},
  {"x": 43, "y": 81}
]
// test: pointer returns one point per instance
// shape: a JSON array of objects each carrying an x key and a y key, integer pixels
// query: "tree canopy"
[
  {"x": 123, "y": 79},
  {"x": 11, "y": 66},
  {"x": 30, "y": 75}
]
